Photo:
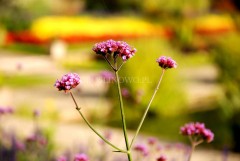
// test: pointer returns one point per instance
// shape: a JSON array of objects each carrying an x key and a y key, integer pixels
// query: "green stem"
[
  {"x": 91, "y": 127},
  {"x": 192, "y": 149},
  {"x": 146, "y": 111},
  {"x": 121, "y": 66},
  {"x": 123, "y": 117},
  {"x": 194, "y": 142},
  {"x": 114, "y": 68}
]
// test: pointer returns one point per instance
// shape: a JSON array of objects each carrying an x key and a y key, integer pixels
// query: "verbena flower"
[
  {"x": 162, "y": 158},
  {"x": 142, "y": 149},
  {"x": 107, "y": 135},
  {"x": 117, "y": 48},
  {"x": 80, "y": 157},
  {"x": 152, "y": 140},
  {"x": 62, "y": 158},
  {"x": 166, "y": 62},
  {"x": 6, "y": 110},
  {"x": 197, "y": 130},
  {"x": 67, "y": 82},
  {"x": 36, "y": 113},
  {"x": 125, "y": 92},
  {"x": 107, "y": 76}
]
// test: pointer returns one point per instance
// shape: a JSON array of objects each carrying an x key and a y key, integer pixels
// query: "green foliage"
[
  {"x": 30, "y": 49},
  {"x": 227, "y": 58},
  {"x": 13, "y": 16},
  {"x": 175, "y": 7}
]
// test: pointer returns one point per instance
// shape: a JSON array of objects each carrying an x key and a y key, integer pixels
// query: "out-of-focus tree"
[
  {"x": 12, "y": 16},
  {"x": 110, "y": 6},
  {"x": 16, "y": 15},
  {"x": 67, "y": 7},
  {"x": 175, "y": 7},
  {"x": 227, "y": 58}
]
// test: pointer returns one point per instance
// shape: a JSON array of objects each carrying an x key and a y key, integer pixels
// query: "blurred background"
[{"x": 41, "y": 40}]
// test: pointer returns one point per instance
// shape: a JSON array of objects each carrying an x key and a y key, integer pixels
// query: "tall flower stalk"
[
  {"x": 112, "y": 50},
  {"x": 124, "y": 127},
  {"x": 115, "y": 49}
]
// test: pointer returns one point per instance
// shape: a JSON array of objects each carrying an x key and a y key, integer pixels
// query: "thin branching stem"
[
  {"x": 91, "y": 127},
  {"x": 146, "y": 111},
  {"x": 109, "y": 63},
  {"x": 121, "y": 65}
]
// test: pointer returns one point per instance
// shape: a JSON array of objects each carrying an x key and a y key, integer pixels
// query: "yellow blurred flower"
[{"x": 95, "y": 27}]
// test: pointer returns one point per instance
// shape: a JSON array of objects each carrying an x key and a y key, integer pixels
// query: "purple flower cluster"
[
  {"x": 117, "y": 48},
  {"x": 142, "y": 149},
  {"x": 67, "y": 82},
  {"x": 6, "y": 110},
  {"x": 166, "y": 63},
  {"x": 81, "y": 157},
  {"x": 197, "y": 129}
]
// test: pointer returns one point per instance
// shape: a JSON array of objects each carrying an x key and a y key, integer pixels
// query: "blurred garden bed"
[{"x": 204, "y": 87}]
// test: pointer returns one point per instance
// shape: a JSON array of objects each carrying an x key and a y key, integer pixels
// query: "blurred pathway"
[{"x": 90, "y": 95}]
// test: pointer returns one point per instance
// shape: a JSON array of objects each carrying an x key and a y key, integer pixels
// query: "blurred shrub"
[
  {"x": 13, "y": 16},
  {"x": 191, "y": 33},
  {"x": 174, "y": 7},
  {"x": 113, "y": 6},
  {"x": 17, "y": 15},
  {"x": 213, "y": 23},
  {"x": 227, "y": 58}
]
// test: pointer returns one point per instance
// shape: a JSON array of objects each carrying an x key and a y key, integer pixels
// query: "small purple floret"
[
  {"x": 152, "y": 140},
  {"x": 117, "y": 48},
  {"x": 166, "y": 63},
  {"x": 67, "y": 82},
  {"x": 142, "y": 149},
  {"x": 80, "y": 157}
]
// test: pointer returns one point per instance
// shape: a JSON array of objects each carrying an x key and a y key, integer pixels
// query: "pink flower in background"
[
  {"x": 19, "y": 145},
  {"x": 80, "y": 157},
  {"x": 125, "y": 92},
  {"x": 197, "y": 130},
  {"x": 166, "y": 63},
  {"x": 117, "y": 48},
  {"x": 142, "y": 149},
  {"x": 107, "y": 76},
  {"x": 152, "y": 141},
  {"x": 36, "y": 113},
  {"x": 62, "y": 158},
  {"x": 67, "y": 82},
  {"x": 162, "y": 158},
  {"x": 107, "y": 135},
  {"x": 6, "y": 110}
]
